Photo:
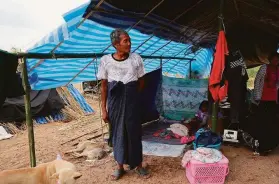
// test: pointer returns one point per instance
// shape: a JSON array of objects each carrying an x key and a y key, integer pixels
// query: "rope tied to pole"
[
  {"x": 99, "y": 98},
  {"x": 221, "y": 17}
]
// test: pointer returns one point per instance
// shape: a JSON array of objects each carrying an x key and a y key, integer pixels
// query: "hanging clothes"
[
  {"x": 236, "y": 74},
  {"x": 270, "y": 88},
  {"x": 217, "y": 84},
  {"x": 260, "y": 84},
  {"x": 10, "y": 82}
]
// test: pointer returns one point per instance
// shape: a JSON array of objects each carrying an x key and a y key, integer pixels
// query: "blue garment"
[
  {"x": 124, "y": 116},
  {"x": 151, "y": 96}
]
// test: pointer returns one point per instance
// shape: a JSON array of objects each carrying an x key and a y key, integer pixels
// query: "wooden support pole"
[
  {"x": 28, "y": 115},
  {"x": 214, "y": 116},
  {"x": 85, "y": 55},
  {"x": 221, "y": 16},
  {"x": 160, "y": 88},
  {"x": 216, "y": 104}
]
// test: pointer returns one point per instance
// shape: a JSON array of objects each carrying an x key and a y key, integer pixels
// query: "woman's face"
[
  {"x": 124, "y": 45},
  {"x": 274, "y": 61}
]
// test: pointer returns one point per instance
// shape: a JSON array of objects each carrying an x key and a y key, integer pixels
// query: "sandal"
[
  {"x": 142, "y": 172},
  {"x": 130, "y": 168},
  {"x": 118, "y": 174}
]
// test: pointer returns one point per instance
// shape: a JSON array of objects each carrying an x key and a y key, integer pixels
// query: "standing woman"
[
  {"x": 266, "y": 84},
  {"x": 121, "y": 75},
  {"x": 262, "y": 126}
]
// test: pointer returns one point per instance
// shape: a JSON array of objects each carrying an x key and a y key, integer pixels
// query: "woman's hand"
[{"x": 105, "y": 116}]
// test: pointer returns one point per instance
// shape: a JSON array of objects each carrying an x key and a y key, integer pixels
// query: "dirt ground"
[{"x": 52, "y": 139}]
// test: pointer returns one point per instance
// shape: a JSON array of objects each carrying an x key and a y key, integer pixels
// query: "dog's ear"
[
  {"x": 55, "y": 176},
  {"x": 77, "y": 175}
]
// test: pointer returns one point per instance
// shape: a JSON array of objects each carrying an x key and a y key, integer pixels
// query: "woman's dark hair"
[
  {"x": 272, "y": 55},
  {"x": 204, "y": 103}
]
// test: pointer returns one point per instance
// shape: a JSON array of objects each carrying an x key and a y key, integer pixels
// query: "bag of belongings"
[{"x": 207, "y": 138}]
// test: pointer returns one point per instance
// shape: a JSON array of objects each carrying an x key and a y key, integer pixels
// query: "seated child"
[
  {"x": 201, "y": 118},
  {"x": 202, "y": 114}
]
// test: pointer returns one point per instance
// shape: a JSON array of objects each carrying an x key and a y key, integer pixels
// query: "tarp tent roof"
[
  {"x": 91, "y": 35},
  {"x": 157, "y": 28},
  {"x": 251, "y": 25}
]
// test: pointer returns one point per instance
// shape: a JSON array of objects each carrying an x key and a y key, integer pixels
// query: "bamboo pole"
[
  {"x": 221, "y": 15},
  {"x": 216, "y": 104},
  {"x": 160, "y": 87},
  {"x": 85, "y": 55},
  {"x": 214, "y": 116},
  {"x": 28, "y": 114}
]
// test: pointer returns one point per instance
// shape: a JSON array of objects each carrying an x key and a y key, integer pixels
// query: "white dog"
[{"x": 93, "y": 151}]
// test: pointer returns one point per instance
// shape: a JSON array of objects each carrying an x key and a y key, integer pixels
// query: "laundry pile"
[
  {"x": 205, "y": 155},
  {"x": 175, "y": 131}
]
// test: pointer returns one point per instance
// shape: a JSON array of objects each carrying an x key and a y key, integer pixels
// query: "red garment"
[
  {"x": 177, "y": 136},
  {"x": 219, "y": 92},
  {"x": 157, "y": 133},
  {"x": 269, "y": 88},
  {"x": 168, "y": 137},
  {"x": 187, "y": 139}
]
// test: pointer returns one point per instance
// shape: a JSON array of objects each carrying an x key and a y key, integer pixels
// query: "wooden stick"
[
  {"x": 95, "y": 136},
  {"x": 94, "y": 131},
  {"x": 28, "y": 114},
  {"x": 80, "y": 136},
  {"x": 90, "y": 138}
]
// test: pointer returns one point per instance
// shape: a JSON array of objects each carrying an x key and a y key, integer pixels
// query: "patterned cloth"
[
  {"x": 259, "y": 84},
  {"x": 182, "y": 97},
  {"x": 205, "y": 155},
  {"x": 225, "y": 104}
]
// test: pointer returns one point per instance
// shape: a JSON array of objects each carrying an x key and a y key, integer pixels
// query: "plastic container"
[{"x": 202, "y": 173}]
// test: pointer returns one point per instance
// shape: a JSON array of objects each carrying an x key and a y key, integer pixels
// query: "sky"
[{"x": 24, "y": 22}]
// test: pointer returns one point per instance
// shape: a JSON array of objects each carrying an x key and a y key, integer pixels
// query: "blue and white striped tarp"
[
  {"x": 87, "y": 109},
  {"x": 92, "y": 36}
]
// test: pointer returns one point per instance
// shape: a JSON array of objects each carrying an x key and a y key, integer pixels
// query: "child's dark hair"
[{"x": 204, "y": 104}]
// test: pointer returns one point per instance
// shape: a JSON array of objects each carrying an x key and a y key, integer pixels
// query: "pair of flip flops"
[{"x": 142, "y": 172}]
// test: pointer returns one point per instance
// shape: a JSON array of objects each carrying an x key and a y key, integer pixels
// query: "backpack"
[{"x": 207, "y": 138}]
